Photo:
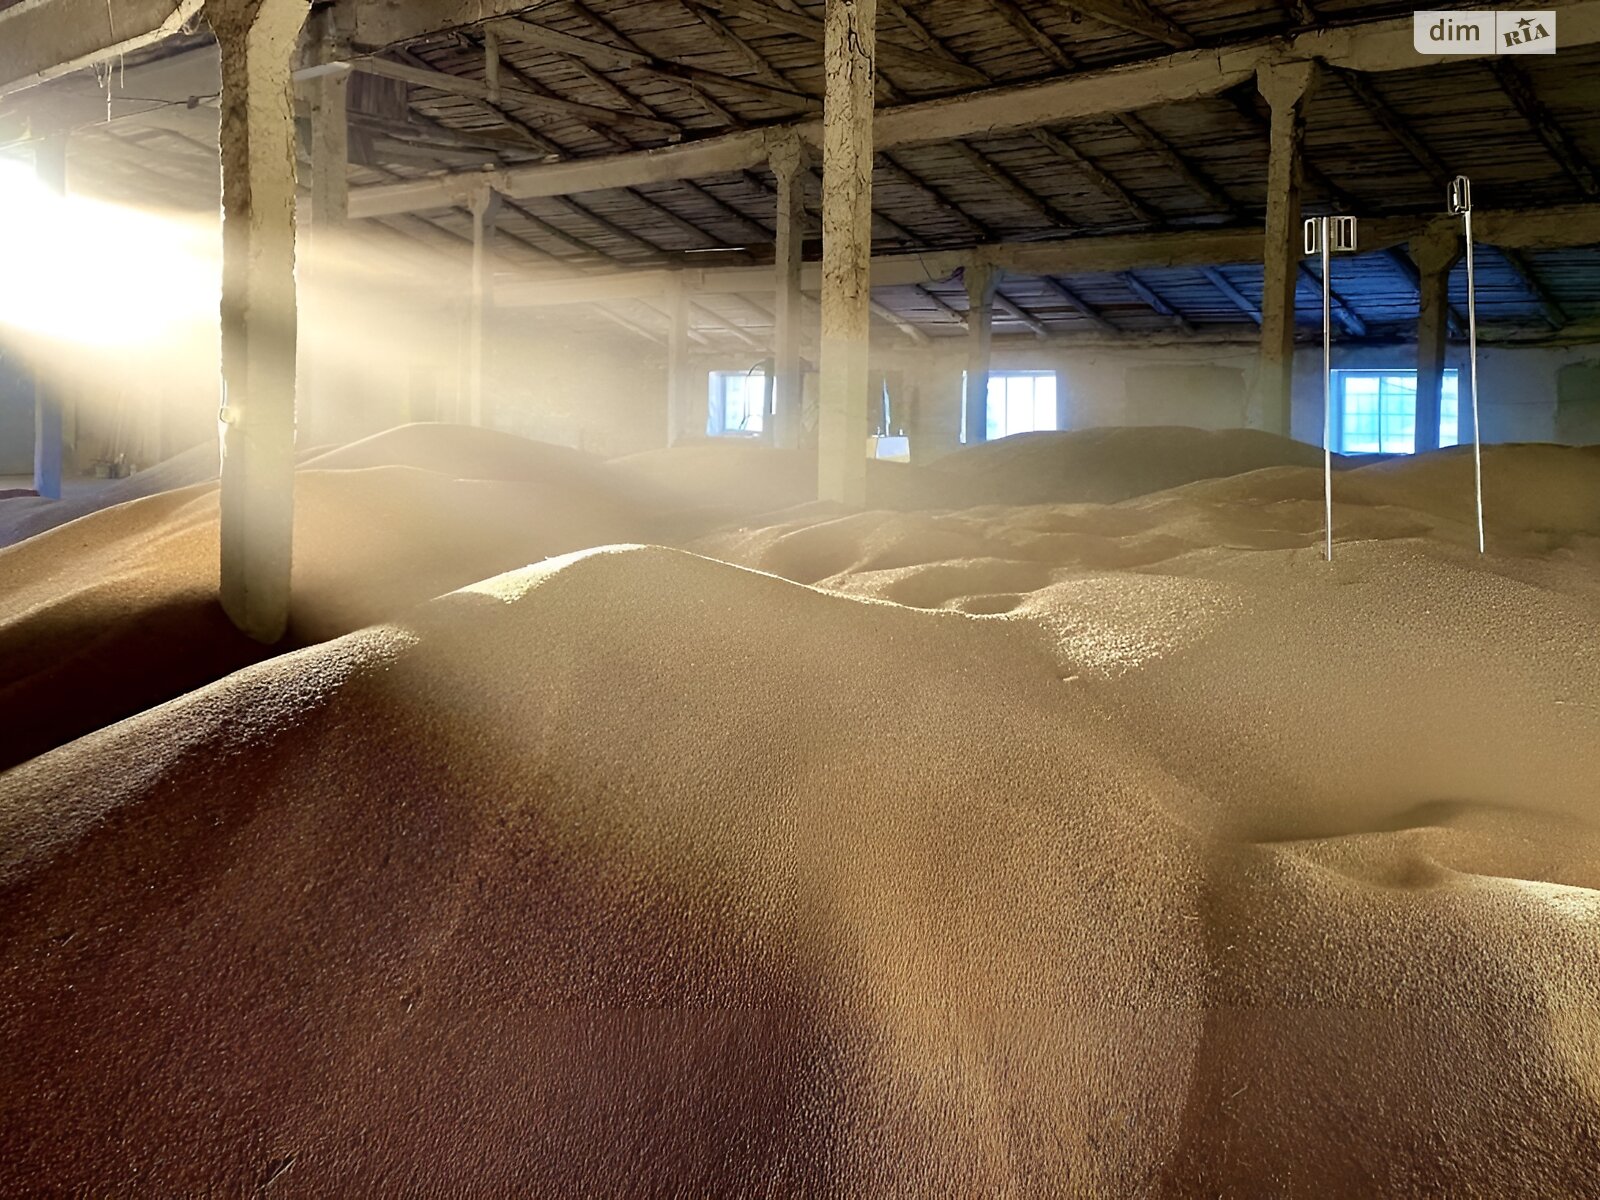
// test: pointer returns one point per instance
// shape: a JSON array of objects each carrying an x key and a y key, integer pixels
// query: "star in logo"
[{"x": 1525, "y": 22}]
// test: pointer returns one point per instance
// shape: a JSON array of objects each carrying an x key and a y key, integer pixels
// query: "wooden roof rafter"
[
  {"x": 890, "y": 54},
  {"x": 1155, "y": 301},
  {"x": 1049, "y": 210},
  {"x": 694, "y": 231},
  {"x": 1372, "y": 101},
  {"x": 596, "y": 54},
  {"x": 708, "y": 103},
  {"x": 1133, "y": 16},
  {"x": 1518, "y": 87}
]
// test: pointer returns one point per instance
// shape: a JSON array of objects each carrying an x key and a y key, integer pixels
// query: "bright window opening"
[
  {"x": 1019, "y": 402},
  {"x": 1376, "y": 411},
  {"x": 738, "y": 404}
]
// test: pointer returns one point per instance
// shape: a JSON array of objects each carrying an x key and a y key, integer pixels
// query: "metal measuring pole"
[
  {"x": 1324, "y": 236},
  {"x": 1461, "y": 205}
]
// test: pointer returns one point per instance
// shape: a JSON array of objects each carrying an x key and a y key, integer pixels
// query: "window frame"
[
  {"x": 1058, "y": 421},
  {"x": 717, "y": 404},
  {"x": 1341, "y": 416}
]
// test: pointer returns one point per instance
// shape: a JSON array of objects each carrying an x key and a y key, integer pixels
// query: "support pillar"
[
  {"x": 678, "y": 403},
  {"x": 50, "y": 164},
  {"x": 1287, "y": 88},
  {"x": 256, "y": 42},
  {"x": 326, "y": 94},
  {"x": 850, "y": 60},
  {"x": 788, "y": 159},
  {"x": 485, "y": 206},
  {"x": 983, "y": 282},
  {"x": 1436, "y": 253}
]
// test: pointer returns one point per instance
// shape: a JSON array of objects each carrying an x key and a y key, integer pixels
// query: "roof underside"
[{"x": 677, "y": 70}]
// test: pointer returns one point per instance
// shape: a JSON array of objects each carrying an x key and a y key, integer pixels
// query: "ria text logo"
[{"x": 1523, "y": 32}]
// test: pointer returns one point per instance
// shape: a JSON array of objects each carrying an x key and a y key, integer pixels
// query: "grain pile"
[{"x": 1059, "y": 850}]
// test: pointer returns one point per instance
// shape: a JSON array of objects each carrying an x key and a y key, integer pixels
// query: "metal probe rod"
[
  {"x": 1324, "y": 235},
  {"x": 1327, "y": 385},
  {"x": 1461, "y": 204}
]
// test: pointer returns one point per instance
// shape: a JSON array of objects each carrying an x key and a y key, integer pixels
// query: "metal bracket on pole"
[
  {"x": 1326, "y": 236},
  {"x": 1460, "y": 205}
]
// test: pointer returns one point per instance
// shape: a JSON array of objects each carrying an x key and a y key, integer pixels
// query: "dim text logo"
[{"x": 1523, "y": 32}]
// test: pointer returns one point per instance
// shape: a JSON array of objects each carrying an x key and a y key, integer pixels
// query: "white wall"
[{"x": 1209, "y": 385}]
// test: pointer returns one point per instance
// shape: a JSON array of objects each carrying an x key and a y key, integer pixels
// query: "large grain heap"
[{"x": 1062, "y": 848}]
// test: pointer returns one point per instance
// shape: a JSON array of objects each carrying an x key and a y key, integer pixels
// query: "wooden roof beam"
[
  {"x": 907, "y": 178},
  {"x": 1197, "y": 179},
  {"x": 1133, "y": 16},
  {"x": 695, "y": 335},
  {"x": 1516, "y": 84},
  {"x": 726, "y": 210},
  {"x": 1017, "y": 313},
  {"x": 1155, "y": 300},
  {"x": 1343, "y": 311},
  {"x": 1364, "y": 90},
  {"x": 1557, "y": 316},
  {"x": 1084, "y": 309},
  {"x": 1098, "y": 177},
  {"x": 763, "y": 69},
  {"x": 722, "y": 322},
  {"x": 1239, "y": 300},
  {"x": 1003, "y": 179},
  {"x": 709, "y": 103},
  {"x": 457, "y": 85},
  {"x": 1373, "y": 45},
  {"x": 631, "y": 326},
  {"x": 1367, "y": 93},
  {"x": 764, "y": 13},
  {"x": 616, "y": 58},
  {"x": 884, "y": 313}
]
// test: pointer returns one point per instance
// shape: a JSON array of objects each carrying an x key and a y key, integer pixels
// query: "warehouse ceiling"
[{"x": 581, "y": 79}]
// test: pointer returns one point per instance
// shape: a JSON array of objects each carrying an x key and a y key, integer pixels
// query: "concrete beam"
[
  {"x": 1537, "y": 229},
  {"x": 41, "y": 40},
  {"x": 850, "y": 60},
  {"x": 1384, "y": 45}
]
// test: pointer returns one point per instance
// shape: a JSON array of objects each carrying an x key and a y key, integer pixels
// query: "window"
[
  {"x": 1019, "y": 402},
  {"x": 1376, "y": 411},
  {"x": 738, "y": 404}
]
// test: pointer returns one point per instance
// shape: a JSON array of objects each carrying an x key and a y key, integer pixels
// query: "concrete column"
[
  {"x": 982, "y": 284},
  {"x": 256, "y": 41},
  {"x": 679, "y": 405},
  {"x": 788, "y": 159},
  {"x": 850, "y": 59},
  {"x": 326, "y": 95},
  {"x": 485, "y": 206},
  {"x": 1436, "y": 253},
  {"x": 50, "y": 164},
  {"x": 1287, "y": 88}
]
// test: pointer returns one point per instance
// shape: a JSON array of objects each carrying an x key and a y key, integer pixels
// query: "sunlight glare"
[{"x": 83, "y": 271}]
